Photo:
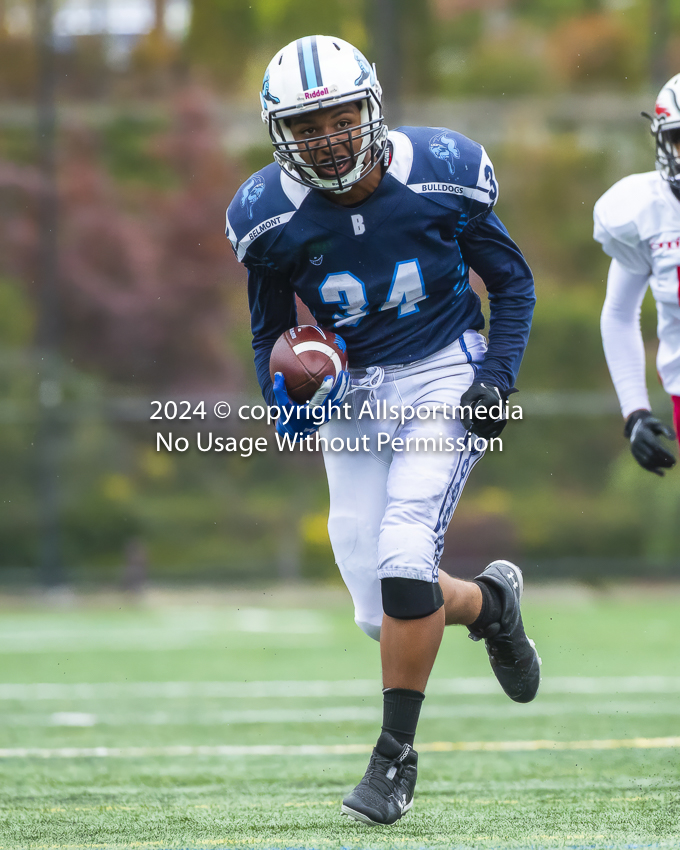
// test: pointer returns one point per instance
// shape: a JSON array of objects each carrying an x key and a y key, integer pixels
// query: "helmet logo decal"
[
  {"x": 251, "y": 193},
  {"x": 308, "y": 59},
  {"x": 364, "y": 67},
  {"x": 444, "y": 147},
  {"x": 663, "y": 110},
  {"x": 266, "y": 94}
]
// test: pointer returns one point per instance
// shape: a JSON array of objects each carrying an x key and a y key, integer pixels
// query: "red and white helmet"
[
  {"x": 665, "y": 128},
  {"x": 316, "y": 72}
]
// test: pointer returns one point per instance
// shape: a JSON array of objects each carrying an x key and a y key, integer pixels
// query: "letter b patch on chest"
[{"x": 358, "y": 225}]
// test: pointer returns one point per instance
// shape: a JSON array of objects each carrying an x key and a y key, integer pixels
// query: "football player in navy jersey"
[{"x": 376, "y": 233}]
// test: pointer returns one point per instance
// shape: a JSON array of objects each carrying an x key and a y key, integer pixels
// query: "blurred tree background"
[{"x": 156, "y": 125}]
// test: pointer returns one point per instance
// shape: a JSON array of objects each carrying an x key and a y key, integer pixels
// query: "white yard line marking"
[
  {"x": 523, "y": 746},
  {"x": 336, "y": 749},
  {"x": 185, "y": 631},
  {"x": 71, "y": 718},
  {"x": 202, "y": 716},
  {"x": 477, "y": 685}
]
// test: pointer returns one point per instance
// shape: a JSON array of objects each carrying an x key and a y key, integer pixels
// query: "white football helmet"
[
  {"x": 665, "y": 128},
  {"x": 313, "y": 73}
]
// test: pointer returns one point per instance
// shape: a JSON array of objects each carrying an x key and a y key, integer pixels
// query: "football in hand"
[{"x": 306, "y": 355}]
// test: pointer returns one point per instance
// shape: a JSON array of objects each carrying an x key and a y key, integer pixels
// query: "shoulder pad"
[
  {"x": 619, "y": 216},
  {"x": 446, "y": 164},
  {"x": 621, "y": 206},
  {"x": 266, "y": 201}
]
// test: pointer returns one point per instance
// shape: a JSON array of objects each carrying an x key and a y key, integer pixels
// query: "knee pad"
[{"x": 409, "y": 598}]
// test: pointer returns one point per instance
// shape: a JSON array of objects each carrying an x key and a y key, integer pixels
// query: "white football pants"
[{"x": 390, "y": 508}]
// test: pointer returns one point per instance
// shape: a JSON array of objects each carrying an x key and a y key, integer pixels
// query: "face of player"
[
  {"x": 327, "y": 135},
  {"x": 674, "y": 139},
  {"x": 671, "y": 144},
  {"x": 331, "y": 138}
]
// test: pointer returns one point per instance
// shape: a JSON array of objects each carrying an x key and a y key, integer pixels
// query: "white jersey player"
[{"x": 638, "y": 223}]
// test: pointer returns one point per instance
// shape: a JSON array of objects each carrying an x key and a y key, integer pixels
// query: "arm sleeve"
[
  {"x": 488, "y": 249},
  {"x": 622, "y": 338},
  {"x": 272, "y": 311}
]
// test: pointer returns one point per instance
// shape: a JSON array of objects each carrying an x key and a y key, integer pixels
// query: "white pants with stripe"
[{"x": 390, "y": 508}]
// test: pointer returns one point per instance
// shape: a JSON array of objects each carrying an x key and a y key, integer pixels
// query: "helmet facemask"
[
  {"x": 668, "y": 154},
  {"x": 370, "y": 133},
  {"x": 323, "y": 72}
]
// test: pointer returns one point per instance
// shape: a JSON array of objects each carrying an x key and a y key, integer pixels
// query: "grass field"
[{"x": 217, "y": 720}]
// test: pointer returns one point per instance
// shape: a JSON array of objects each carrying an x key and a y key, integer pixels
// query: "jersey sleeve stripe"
[
  {"x": 263, "y": 227},
  {"x": 477, "y": 194}
]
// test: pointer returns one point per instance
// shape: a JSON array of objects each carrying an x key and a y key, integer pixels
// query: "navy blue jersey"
[{"x": 391, "y": 274}]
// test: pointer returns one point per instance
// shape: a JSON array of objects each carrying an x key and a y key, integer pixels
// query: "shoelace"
[
  {"x": 501, "y": 650},
  {"x": 378, "y": 768}
]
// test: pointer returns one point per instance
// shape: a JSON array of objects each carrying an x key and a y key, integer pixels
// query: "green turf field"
[{"x": 216, "y": 720}]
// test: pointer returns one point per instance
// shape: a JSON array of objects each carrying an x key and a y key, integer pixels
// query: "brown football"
[{"x": 305, "y": 355}]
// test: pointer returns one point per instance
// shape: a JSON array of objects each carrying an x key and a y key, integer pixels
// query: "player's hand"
[
  {"x": 643, "y": 430},
  {"x": 486, "y": 403},
  {"x": 305, "y": 419},
  {"x": 331, "y": 392}
]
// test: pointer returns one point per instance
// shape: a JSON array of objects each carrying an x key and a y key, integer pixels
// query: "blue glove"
[{"x": 305, "y": 419}]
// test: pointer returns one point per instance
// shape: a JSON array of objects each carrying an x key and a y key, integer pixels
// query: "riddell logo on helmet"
[
  {"x": 663, "y": 110},
  {"x": 312, "y": 93}
]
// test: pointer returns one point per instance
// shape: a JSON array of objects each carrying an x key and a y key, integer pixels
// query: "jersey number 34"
[{"x": 349, "y": 293}]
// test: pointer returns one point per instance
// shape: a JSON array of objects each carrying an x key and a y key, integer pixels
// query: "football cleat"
[
  {"x": 386, "y": 791},
  {"x": 512, "y": 654}
]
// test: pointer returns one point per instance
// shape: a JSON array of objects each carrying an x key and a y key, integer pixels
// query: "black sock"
[
  {"x": 401, "y": 710},
  {"x": 492, "y": 607}
]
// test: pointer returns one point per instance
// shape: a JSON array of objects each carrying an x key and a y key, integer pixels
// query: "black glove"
[
  {"x": 643, "y": 431},
  {"x": 488, "y": 410}
]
